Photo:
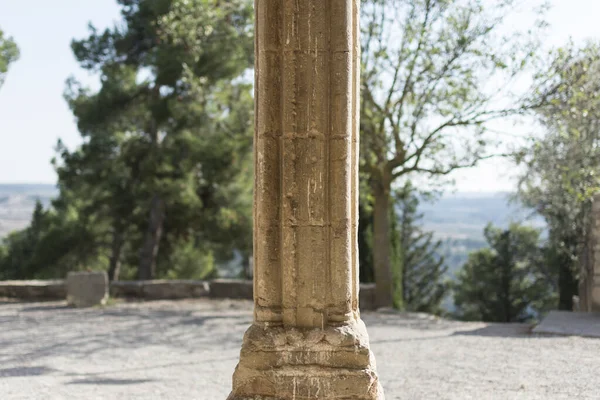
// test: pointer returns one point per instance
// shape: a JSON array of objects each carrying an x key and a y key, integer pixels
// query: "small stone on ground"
[{"x": 189, "y": 349}]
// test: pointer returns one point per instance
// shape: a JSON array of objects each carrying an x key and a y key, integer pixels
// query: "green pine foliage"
[
  {"x": 505, "y": 282},
  {"x": 160, "y": 186},
  {"x": 419, "y": 270}
]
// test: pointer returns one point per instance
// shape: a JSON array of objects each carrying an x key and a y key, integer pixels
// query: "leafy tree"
[
  {"x": 420, "y": 269},
  {"x": 9, "y": 53},
  {"x": 503, "y": 283},
  {"x": 98, "y": 176},
  {"x": 562, "y": 166},
  {"x": 434, "y": 74},
  {"x": 160, "y": 119},
  {"x": 54, "y": 243}
]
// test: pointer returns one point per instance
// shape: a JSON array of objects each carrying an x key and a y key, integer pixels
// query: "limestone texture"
[
  {"x": 589, "y": 282},
  {"x": 87, "y": 289},
  {"x": 307, "y": 340}
]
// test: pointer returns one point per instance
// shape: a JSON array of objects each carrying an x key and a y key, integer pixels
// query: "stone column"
[
  {"x": 307, "y": 340},
  {"x": 589, "y": 285}
]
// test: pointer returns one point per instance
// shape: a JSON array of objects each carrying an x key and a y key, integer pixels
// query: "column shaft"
[
  {"x": 307, "y": 340},
  {"x": 306, "y": 161}
]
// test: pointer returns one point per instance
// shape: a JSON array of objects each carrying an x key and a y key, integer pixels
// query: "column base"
[{"x": 333, "y": 363}]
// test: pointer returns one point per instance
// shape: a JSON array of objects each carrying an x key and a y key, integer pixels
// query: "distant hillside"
[
  {"x": 464, "y": 215},
  {"x": 17, "y": 202},
  {"x": 459, "y": 220}
]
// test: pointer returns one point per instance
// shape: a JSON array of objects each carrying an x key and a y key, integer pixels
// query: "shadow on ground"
[
  {"x": 24, "y": 371},
  {"x": 108, "y": 381},
  {"x": 499, "y": 330},
  {"x": 33, "y": 333}
]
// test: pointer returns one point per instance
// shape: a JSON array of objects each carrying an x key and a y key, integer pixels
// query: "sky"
[{"x": 34, "y": 115}]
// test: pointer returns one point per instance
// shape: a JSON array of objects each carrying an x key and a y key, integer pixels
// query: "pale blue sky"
[{"x": 33, "y": 114}]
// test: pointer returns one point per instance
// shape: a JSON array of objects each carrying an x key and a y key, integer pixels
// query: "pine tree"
[
  {"x": 162, "y": 121},
  {"x": 419, "y": 268},
  {"x": 504, "y": 283}
]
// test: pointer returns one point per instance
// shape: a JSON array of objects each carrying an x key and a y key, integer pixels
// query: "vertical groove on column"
[
  {"x": 340, "y": 153},
  {"x": 267, "y": 186},
  {"x": 288, "y": 153},
  {"x": 355, "y": 150},
  {"x": 257, "y": 316},
  {"x": 329, "y": 276},
  {"x": 281, "y": 60},
  {"x": 314, "y": 261},
  {"x": 304, "y": 152}
]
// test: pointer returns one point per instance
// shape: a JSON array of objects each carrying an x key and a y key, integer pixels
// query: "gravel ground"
[{"x": 188, "y": 350}]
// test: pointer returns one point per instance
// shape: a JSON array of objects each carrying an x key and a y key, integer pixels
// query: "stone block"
[
  {"x": 231, "y": 289},
  {"x": 367, "y": 300},
  {"x": 87, "y": 289}
]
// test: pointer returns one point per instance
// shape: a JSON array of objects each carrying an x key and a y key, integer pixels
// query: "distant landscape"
[
  {"x": 17, "y": 202},
  {"x": 457, "y": 219}
]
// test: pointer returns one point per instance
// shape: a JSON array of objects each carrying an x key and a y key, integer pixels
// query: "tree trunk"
[
  {"x": 381, "y": 247},
  {"x": 246, "y": 267},
  {"x": 149, "y": 251},
  {"x": 567, "y": 286},
  {"x": 365, "y": 245},
  {"x": 114, "y": 267}
]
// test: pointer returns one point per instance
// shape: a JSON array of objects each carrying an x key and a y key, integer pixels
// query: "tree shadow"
[
  {"x": 49, "y": 307},
  {"x": 509, "y": 330},
  {"x": 25, "y": 371},
  {"x": 30, "y": 334},
  {"x": 108, "y": 381},
  {"x": 148, "y": 368},
  {"x": 413, "y": 339},
  {"x": 417, "y": 321}
]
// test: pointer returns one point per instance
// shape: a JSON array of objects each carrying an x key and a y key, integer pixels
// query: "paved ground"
[
  {"x": 188, "y": 350},
  {"x": 570, "y": 323}
]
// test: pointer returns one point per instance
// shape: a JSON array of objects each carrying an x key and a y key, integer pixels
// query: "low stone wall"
[
  {"x": 160, "y": 289},
  {"x": 34, "y": 290},
  {"x": 238, "y": 289},
  {"x": 157, "y": 290},
  {"x": 231, "y": 289}
]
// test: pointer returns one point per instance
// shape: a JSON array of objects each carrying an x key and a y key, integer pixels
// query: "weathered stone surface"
[
  {"x": 176, "y": 289},
  {"x": 87, "y": 289},
  {"x": 231, "y": 289},
  {"x": 132, "y": 289},
  {"x": 307, "y": 340},
  {"x": 33, "y": 290}
]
